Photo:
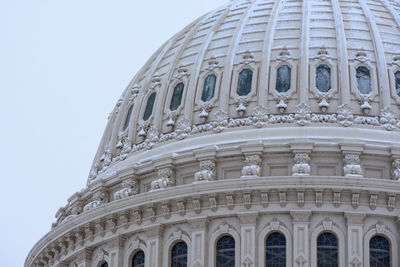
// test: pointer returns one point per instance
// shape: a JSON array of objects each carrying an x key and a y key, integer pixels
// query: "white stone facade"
[{"x": 300, "y": 162}]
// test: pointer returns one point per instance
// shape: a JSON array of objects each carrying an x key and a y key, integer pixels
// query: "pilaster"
[
  {"x": 301, "y": 241},
  {"x": 199, "y": 253},
  {"x": 248, "y": 225},
  {"x": 154, "y": 250},
  {"x": 355, "y": 238}
]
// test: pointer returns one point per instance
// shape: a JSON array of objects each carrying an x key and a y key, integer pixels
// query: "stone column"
[
  {"x": 248, "y": 238},
  {"x": 355, "y": 250},
  {"x": 154, "y": 251},
  {"x": 301, "y": 241},
  {"x": 199, "y": 251}
]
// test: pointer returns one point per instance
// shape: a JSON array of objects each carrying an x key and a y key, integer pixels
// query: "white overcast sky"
[{"x": 63, "y": 65}]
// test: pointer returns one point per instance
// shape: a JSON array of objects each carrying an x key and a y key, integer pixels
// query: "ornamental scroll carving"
[
  {"x": 165, "y": 179},
  {"x": 352, "y": 166},
  {"x": 207, "y": 171},
  {"x": 99, "y": 198},
  {"x": 301, "y": 166},
  {"x": 129, "y": 189},
  {"x": 396, "y": 169},
  {"x": 252, "y": 166}
]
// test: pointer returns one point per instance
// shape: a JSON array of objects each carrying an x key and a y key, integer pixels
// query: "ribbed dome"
[{"x": 260, "y": 63}]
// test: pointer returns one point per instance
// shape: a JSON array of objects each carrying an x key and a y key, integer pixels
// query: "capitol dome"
[{"x": 265, "y": 133}]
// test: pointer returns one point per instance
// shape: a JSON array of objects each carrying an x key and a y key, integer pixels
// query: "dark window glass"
[
  {"x": 104, "y": 264},
  {"x": 177, "y": 96},
  {"x": 275, "y": 250},
  {"x": 363, "y": 80},
  {"x": 379, "y": 252},
  {"x": 283, "y": 78},
  {"x": 225, "y": 254},
  {"x": 128, "y": 118},
  {"x": 208, "y": 88},
  {"x": 149, "y": 106},
  {"x": 244, "y": 82},
  {"x": 179, "y": 255},
  {"x": 323, "y": 78},
  {"x": 138, "y": 259},
  {"x": 397, "y": 78},
  {"x": 327, "y": 250}
]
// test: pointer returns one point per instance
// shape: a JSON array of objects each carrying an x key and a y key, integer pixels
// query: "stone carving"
[
  {"x": 182, "y": 71},
  {"x": 137, "y": 217},
  {"x": 247, "y": 262},
  {"x": 366, "y": 120},
  {"x": 373, "y": 201},
  {"x": 284, "y": 54},
  {"x": 134, "y": 244},
  {"x": 301, "y": 261},
  {"x": 259, "y": 116},
  {"x": 213, "y": 203},
  {"x": 303, "y": 114},
  {"x": 205, "y": 110},
  {"x": 327, "y": 224},
  {"x": 220, "y": 122},
  {"x": 183, "y": 128},
  {"x": 151, "y": 213},
  {"x": 105, "y": 159},
  {"x": 224, "y": 228},
  {"x": 123, "y": 147},
  {"x": 365, "y": 102},
  {"x": 352, "y": 166},
  {"x": 207, "y": 171},
  {"x": 388, "y": 119},
  {"x": 396, "y": 169},
  {"x": 165, "y": 179},
  {"x": 76, "y": 209},
  {"x": 380, "y": 228},
  {"x": 172, "y": 115},
  {"x": 345, "y": 115},
  {"x": 197, "y": 205},
  {"x": 252, "y": 166},
  {"x": 181, "y": 207},
  {"x": 324, "y": 98},
  {"x": 264, "y": 199},
  {"x": 213, "y": 64},
  {"x": 282, "y": 198},
  {"x": 275, "y": 225},
  {"x": 155, "y": 81},
  {"x": 143, "y": 128},
  {"x": 300, "y": 198},
  {"x": 281, "y": 101},
  {"x": 134, "y": 93},
  {"x": 230, "y": 201},
  {"x": 99, "y": 198},
  {"x": 355, "y": 200},
  {"x": 336, "y": 199},
  {"x": 361, "y": 56},
  {"x": 129, "y": 189},
  {"x": 318, "y": 198},
  {"x": 247, "y": 58},
  {"x": 355, "y": 262},
  {"x": 241, "y": 105},
  {"x": 247, "y": 199},
  {"x": 391, "y": 202},
  {"x": 301, "y": 166}
]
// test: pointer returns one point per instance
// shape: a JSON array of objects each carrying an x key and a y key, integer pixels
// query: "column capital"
[{"x": 301, "y": 216}]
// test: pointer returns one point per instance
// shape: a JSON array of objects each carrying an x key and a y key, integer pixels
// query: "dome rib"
[
  {"x": 266, "y": 52},
  {"x": 304, "y": 53},
  {"x": 343, "y": 59},
  {"x": 230, "y": 57},
  {"x": 383, "y": 82}
]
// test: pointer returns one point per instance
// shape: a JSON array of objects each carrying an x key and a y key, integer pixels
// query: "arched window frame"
[
  {"x": 185, "y": 80},
  {"x": 339, "y": 236},
  {"x": 202, "y": 79},
  {"x": 263, "y": 235},
  {"x": 353, "y": 79},
  {"x": 386, "y": 233},
  {"x": 132, "y": 246},
  {"x": 125, "y": 118},
  {"x": 144, "y": 105},
  {"x": 390, "y": 246},
  {"x": 313, "y": 76},
  {"x": 239, "y": 67},
  {"x": 392, "y": 72},
  {"x": 172, "y": 241},
  {"x": 217, "y": 234},
  {"x": 275, "y": 65}
]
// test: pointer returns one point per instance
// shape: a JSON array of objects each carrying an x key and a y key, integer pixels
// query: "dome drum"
[{"x": 266, "y": 129}]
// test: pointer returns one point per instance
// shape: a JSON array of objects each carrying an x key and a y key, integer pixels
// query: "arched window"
[
  {"x": 105, "y": 264},
  {"x": 379, "y": 252},
  {"x": 138, "y": 259},
  {"x": 244, "y": 82},
  {"x": 208, "y": 88},
  {"x": 397, "y": 78},
  {"x": 327, "y": 250},
  {"x": 363, "y": 80},
  {"x": 128, "y": 118},
  {"x": 275, "y": 250},
  {"x": 177, "y": 96},
  {"x": 225, "y": 253},
  {"x": 179, "y": 255},
  {"x": 323, "y": 78},
  {"x": 149, "y": 106},
  {"x": 283, "y": 78}
]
